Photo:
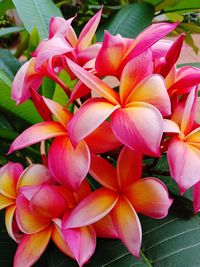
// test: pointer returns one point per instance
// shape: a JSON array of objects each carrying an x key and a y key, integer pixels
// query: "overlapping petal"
[
  {"x": 152, "y": 90},
  {"x": 129, "y": 167},
  {"x": 37, "y": 133},
  {"x": 92, "y": 208},
  {"x": 127, "y": 225},
  {"x": 150, "y": 197},
  {"x": 88, "y": 31},
  {"x": 139, "y": 126},
  {"x": 183, "y": 160},
  {"x": 103, "y": 172},
  {"x": 82, "y": 243},
  {"x": 95, "y": 111},
  {"x": 69, "y": 165},
  {"x": 31, "y": 248},
  {"x": 9, "y": 176},
  {"x": 25, "y": 79},
  {"x": 134, "y": 72},
  {"x": 94, "y": 83}
]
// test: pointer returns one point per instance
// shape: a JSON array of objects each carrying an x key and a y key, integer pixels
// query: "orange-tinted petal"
[
  {"x": 92, "y": 208},
  {"x": 103, "y": 172},
  {"x": 31, "y": 248},
  {"x": 129, "y": 167},
  {"x": 150, "y": 197},
  {"x": 127, "y": 225}
]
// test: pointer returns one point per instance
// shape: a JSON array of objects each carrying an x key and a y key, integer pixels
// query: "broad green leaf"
[
  {"x": 184, "y": 5},
  {"x": 5, "y": 31},
  {"x": 153, "y": 2},
  {"x": 37, "y": 13},
  {"x": 25, "y": 111},
  {"x": 8, "y": 64},
  {"x": 167, "y": 3},
  {"x": 173, "y": 241},
  {"x": 33, "y": 41},
  {"x": 5, "y": 5},
  {"x": 190, "y": 27},
  {"x": 48, "y": 87},
  {"x": 129, "y": 20}
]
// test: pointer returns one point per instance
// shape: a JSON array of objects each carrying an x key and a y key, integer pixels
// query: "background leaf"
[
  {"x": 9, "y": 30},
  {"x": 129, "y": 21},
  {"x": 37, "y": 13},
  {"x": 5, "y": 5},
  {"x": 173, "y": 241}
]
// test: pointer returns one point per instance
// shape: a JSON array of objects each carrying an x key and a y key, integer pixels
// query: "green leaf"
[
  {"x": 8, "y": 64},
  {"x": 184, "y": 5},
  {"x": 173, "y": 241},
  {"x": 129, "y": 20},
  {"x": 48, "y": 87},
  {"x": 33, "y": 41},
  {"x": 5, "y": 31},
  {"x": 166, "y": 3},
  {"x": 25, "y": 111},
  {"x": 37, "y": 13},
  {"x": 5, "y": 5},
  {"x": 193, "y": 64}
]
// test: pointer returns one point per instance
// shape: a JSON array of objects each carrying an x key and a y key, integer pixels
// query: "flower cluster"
[{"x": 131, "y": 102}]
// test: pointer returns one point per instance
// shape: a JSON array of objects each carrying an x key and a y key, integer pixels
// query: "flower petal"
[
  {"x": 94, "y": 83},
  {"x": 56, "y": 46},
  {"x": 196, "y": 197},
  {"x": 170, "y": 126},
  {"x": 25, "y": 78},
  {"x": 5, "y": 201},
  {"x": 58, "y": 239},
  {"x": 103, "y": 172},
  {"x": 31, "y": 248},
  {"x": 48, "y": 202},
  {"x": 127, "y": 225},
  {"x": 139, "y": 127},
  {"x": 35, "y": 174},
  {"x": 36, "y": 134},
  {"x": 106, "y": 139},
  {"x": 82, "y": 243},
  {"x": 183, "y": 160},
  {"x": 60, "y": 112},
  {"x": 134, "y": 72},
  {"x": 88, "y": 31},
  {"x": 28, "y": 222},
  {"x": 69, "y": 165},
  {"x": 110, "y": 55},
  {"x": 105, "y": 228},
  {"x": 147, "y": 38},
  {"x": 92, "y": 208},
  {"x": 152, "y": 90},
  {"x": 94, "y": 112},
  {"x": 129, "y": 167},
  {"x": 11, "y": 225},
  {"x": 172, "y": 56},
  {"x": 150, "y": 197},
  {"x": 9, "y": 176}
]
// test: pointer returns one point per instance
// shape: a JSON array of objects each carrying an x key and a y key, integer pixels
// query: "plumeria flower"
[
  {"x": 116, "y": 51},
  {"x": 12, "y": 178},
  {"x": 183, "y": 152},
  {"x": 49, "y": 58},
  {"x": 123, "y": 194},
  {"x": 69, "y": 166},
  {"x": 36, "y": 209},
  {"x": 136, "y": 118}
]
